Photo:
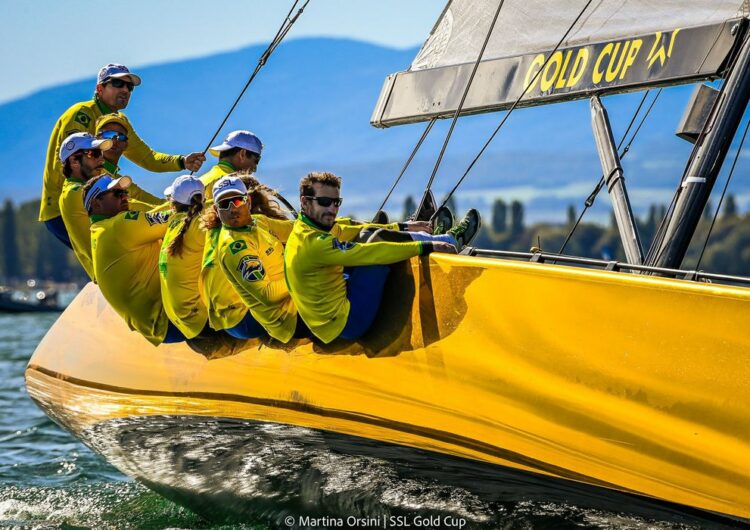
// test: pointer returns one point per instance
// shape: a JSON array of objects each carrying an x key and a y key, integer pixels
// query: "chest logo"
[
  {"x": 131, "y": 215},
  {"x": 237, "y": 246},
  {"x": 251, "y": 269}
]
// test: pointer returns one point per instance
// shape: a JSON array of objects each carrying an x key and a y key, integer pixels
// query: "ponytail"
[{"x": 196, "y": 206}]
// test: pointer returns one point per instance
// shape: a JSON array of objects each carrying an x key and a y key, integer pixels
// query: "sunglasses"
[
  {"x": 325, "y": 202},
  {"x": 119, "y": 83},
  {"x": 238, "y": 201},
  {"x": 91, "y": 153},
  {"x": 113, "y": 135},
  {"x": 119, "y": 193}
]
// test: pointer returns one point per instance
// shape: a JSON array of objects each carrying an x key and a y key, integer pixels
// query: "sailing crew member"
[
  {"x": 180, "y": 258},
  {"x": 115, "y": 127},
  {"x": 125, "y": 246},
  {"x": 113, "y": 89},
  {"x": 82, "y": 158},
  {"x": 225, "y": 307},
  {"x": 251, "y": 254},
  {"x": 239, "y": 152},
  {"x": 318, "y": 250}
]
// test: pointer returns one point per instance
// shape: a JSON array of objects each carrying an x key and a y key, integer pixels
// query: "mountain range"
[{"x": 311, "y": 106}]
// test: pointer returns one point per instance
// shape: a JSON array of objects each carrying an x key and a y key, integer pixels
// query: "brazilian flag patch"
[
  {"x": 82, "y": 118},
  {"x": 131, "y": 216},
  {"x": 237, "y": 246}
]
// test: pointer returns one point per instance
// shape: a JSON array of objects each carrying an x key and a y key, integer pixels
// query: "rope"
[
  {"x": 460, "y": 106},
  {"x": 724, "y": 191},
  {"x": 408, "y": 162},
  {"x": 280, "y": 34},
  {"x": 513, "y": 107},
  {"x": 589, "y": 202}
]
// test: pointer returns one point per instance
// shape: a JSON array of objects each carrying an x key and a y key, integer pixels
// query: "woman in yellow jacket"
[{"x": 180, "y": 258}]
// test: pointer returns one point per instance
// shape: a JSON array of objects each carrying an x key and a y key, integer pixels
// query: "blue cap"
[
  {"x": 105, "y": 183},
  {"x": 241, "y": 139},
  {"x": 118, "y": 71},
  {"x": 80, "y": 142}
]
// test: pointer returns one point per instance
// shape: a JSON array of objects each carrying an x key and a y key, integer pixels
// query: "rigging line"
[
  {"x": 461, "y": 104},
  {"x": 280, "y": 34},
  {"x": 723, "y": 193},
  {"x": 589, "y": 202},
  {"x": 513, "y": 107},
  {"x": 653, "y": 253},
  {"x": 408, "y": 162}
]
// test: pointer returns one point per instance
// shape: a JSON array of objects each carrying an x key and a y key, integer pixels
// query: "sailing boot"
[
  {"x": 381, "y": 218},
  {"x": 466, "y": 229},
  {"x": 442, "y": 221}
]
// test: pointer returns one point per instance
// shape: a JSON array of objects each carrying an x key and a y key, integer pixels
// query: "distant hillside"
[{"x": 311, "y": 106}]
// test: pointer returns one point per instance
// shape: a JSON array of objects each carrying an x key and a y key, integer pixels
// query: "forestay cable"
[
  {"x": 286, "y": 25},
  {"x": 513, "y": 107},
  {"x": 723, "y": 192},
  {"x": 408, "y": 162},
  {"x": 459, "y": 108}
]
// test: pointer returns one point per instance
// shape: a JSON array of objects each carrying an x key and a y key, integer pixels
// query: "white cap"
[
  {"x": 119, "y": 71},
  {"x": 81, "y": 142},
  {"x": 184, "y": 188},
  {"x": 228, "y": 186},
  {"x": 105, "y": 183},
  {"x": 241, "y": 139}
]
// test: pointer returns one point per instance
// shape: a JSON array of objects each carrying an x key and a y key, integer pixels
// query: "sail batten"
[{"x": 614, "y": 47}]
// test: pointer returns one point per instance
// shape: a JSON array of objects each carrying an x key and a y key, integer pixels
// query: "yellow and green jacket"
[
  {"x": 315, "y": 259},
  {"x": 77, "y": 221},
  {"x": 180, "y": 277},
  {"x": 210, "y": 177},
  {"x": 225, "y": 307},
  {"x": 252, "y": 258},
  {"x": 125, "y": 251},
  {"x": 82, "y": 117}
]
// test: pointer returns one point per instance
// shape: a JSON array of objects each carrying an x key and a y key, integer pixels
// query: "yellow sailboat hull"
[{"x": 634, "y": 383}]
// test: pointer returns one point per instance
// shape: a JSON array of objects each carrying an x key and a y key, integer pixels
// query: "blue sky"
[{"x": 47, "y": 42}]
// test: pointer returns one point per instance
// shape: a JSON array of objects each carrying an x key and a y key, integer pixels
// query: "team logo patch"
[
  {"x": 343, "y": 245},
  {"x": 70, "y": 145},
  {"x": 237, "y": 246},
  {"x": 251, "y": 269},
  {"x": 157, "y": 218},
  {"x": 82, "y": 118},
  {"x": 269, "y": 251},
  {"x": 132, "y": 216}
]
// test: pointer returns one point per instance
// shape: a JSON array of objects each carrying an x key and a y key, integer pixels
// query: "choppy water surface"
[{"x": 48, "y": 480}]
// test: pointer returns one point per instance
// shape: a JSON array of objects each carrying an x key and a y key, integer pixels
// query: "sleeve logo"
[
  {"x": 237, "y": 246},
  {"x": 157, "y": 218},
  {"x": 251, "y": 269},
  {"x": 343, "y": 245}
]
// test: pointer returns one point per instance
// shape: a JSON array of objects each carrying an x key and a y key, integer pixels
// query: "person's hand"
[
  {"x": 194, "y": 161},
  {"x": 419, "y": 226},
  {"x": 443, "y": 247}
]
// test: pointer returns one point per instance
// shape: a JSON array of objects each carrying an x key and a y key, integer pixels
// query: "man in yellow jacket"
[
  {"x": 114, "y": 86},
  {"x": 125, "y": 247},
  {"x": 240, "y": 151},
  {"x": 82, "y": 157},
  {"x": 338, "y": 302}
]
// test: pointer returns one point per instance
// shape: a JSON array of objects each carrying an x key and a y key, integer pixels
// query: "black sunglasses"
[
  {"x": 119, "y": 83},
  {"x": 90, "y": 153},
  {"x": 325, "y": 202}
]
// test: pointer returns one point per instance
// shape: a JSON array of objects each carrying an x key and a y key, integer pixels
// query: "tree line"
[{"x": 30, "y": 251}]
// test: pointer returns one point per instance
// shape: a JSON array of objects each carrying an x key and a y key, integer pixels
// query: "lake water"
[{"x": 48, "y": 480}]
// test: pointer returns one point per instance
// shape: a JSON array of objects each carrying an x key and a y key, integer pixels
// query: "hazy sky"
[{"x": 47, "y": 42}]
